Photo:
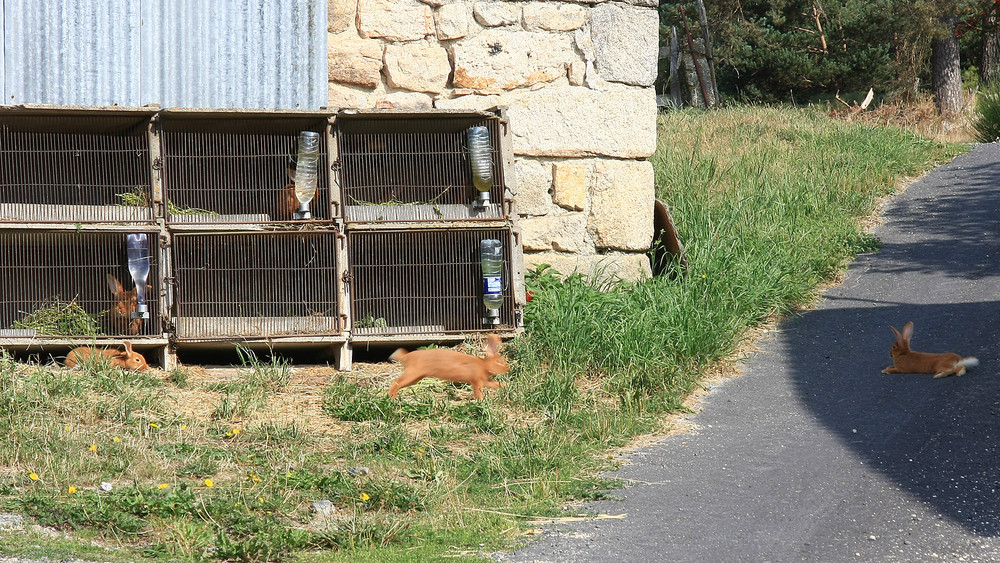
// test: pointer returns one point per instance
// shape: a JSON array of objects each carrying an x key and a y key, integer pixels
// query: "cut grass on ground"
[{"x": 769, "y": 204}]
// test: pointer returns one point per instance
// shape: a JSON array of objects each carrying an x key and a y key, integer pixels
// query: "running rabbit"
[
  {"x": 444, "y": 363},
  {"x": 129, "y": 359},
  {"x": 126, "y": 303},
  {"x": 905, "y": 360}
]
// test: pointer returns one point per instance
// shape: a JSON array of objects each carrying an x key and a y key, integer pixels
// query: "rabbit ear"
[
  {"x": 908, "y": 331},
  {"x": 899, "y": 337},
  {"x": 492, "y": 345},
  {"x": 128, "y": 347},
  {"x": 114, "y": 285}
]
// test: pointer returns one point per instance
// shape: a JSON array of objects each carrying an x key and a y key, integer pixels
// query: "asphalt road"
[{"x": 813, "y": 454}]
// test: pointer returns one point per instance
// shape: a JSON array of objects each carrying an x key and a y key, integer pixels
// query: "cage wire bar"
[
  {"x": 75, "y": 168},
  {"x": 256, "y": 285},
  {"x": 56, "y": 285},
  {"x": 414, "y": 168},
  {"x": 426, "y": 281},
  {"x": 234, "y": 169}
]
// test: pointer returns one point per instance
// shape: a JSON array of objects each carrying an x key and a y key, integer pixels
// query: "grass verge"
[{"x": 266, "y": 466}]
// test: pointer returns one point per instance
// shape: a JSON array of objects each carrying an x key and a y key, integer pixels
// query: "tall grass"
[{"x": 769, "y": 204}]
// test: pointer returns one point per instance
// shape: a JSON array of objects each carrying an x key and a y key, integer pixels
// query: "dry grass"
[{"x": 920, "y": 117}]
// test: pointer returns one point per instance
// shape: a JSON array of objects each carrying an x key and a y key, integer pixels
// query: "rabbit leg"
[
  {"x": 477, "y": 390},
  {"x": 403, "y": 381},
  {"x": 494, "y": 385},
  {"x": 959, "y": 370},
  {"x": 891, "y": 369},
  {"x": 944, "y": 373}
]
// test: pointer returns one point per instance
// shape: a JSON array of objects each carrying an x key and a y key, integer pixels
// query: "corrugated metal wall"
[{"x": 177, "y": 53}]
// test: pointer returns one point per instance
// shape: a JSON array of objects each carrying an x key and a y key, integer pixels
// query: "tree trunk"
[
  {"x": 946, "y": 76},
  {"x": 991, "y": 57}
]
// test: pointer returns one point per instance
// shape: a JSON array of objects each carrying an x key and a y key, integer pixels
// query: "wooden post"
[
  {"x": 694, "y": 59},
  {"x": 703, "y": 20}
]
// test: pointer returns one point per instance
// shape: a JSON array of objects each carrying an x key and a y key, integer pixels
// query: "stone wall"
[{"x": 577, "y": 79}]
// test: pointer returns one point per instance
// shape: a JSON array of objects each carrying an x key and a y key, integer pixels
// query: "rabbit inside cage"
[
  {"x": 228, "y": 170},
  {"x": 73, "y": 284}
]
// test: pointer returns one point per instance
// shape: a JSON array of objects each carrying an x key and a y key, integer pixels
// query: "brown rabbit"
[
  {"x": 128, "y": 359},
  {"x": 288, "y": 204},
  {"x": 444, "y": 363},
  {"x": 905, "y": 360},
  {"x": 126, "y": 303}
]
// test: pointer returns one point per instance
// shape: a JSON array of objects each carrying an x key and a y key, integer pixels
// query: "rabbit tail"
[
  {"x": 968, "y": 362},
  {"x": 398, "y": 355}
]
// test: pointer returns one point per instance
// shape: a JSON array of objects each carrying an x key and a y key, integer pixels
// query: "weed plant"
[
  {"x": 769, "y": 203},
  {"x": 986, "y": 121}
]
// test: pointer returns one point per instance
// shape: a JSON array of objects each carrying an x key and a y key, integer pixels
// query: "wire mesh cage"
[
  {"x": 69, "y": 284},
  {"x": 426, "y": 281},
  {"x": 239, "y": 169},
  {"x": 415, "y": 167},
  {"x": 256, "y": 285},
  {"x": 75, "y": 168}
]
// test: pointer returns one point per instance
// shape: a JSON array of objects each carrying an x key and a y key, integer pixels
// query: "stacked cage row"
[{"x": 388, "y": 251}]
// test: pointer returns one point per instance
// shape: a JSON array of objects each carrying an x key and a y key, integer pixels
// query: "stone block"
[
  {"x": 406, "y": 101},
  {"x": 506, "y": 59},
  {"x": 417, "y": 67},
  {"x": 354, "y": 61},
  {"x": 549, "y": 16},
  {"x": 343, "y": 96},
  {"x": 565, "y": 232},
  {"x": 621, "y": 204},
  {"x": 452, "y": 21},
  {"x": 340, "y": 15},
  {"x": 603, "y": 267},
  {"x": 569, "y": 185},
  {"x": 626, "y": 43},
  {"x": 496, "y": 14},
  {"x": 394, "y": 20},
  {"x": 534, "y": 180},
  {"x": 573, "y": 121}
]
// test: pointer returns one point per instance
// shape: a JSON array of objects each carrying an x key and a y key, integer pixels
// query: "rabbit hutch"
[{"x": 292, "y": 231}]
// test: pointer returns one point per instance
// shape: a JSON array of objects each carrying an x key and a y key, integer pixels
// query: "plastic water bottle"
[
  {"x": 491, "y": 258},
  {"x": 305, "y": 172},
  {"x": 137, "y": 252},
  {"x": 481, "y": 158}
]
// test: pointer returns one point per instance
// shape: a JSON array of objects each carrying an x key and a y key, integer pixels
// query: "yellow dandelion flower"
[
  {"x": 71, "y": 489},
  {"x": 235, "y": 431},
  {"x": 33, "y": 476},
  {"x": 162, "y": 486},
  {"x": 153, "y": 425},
  {"x": 238, "y": 504},
  {"x": 209, "y": 483},
  {"x": 261, "y": 499},
  {"x": 93, "y": 447},
  {"x": 421, "y": 450},
  {"x": 67, "y": 428},
  {"x": 184, "y": 426},
  {"x": 365, "y": 497},
  {"x": 254, "y": 478},
  {"x": 116, "y": 440}
]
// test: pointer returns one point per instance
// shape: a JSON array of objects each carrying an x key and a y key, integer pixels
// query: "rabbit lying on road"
[
  {"x": 443, "y": 363},
  {"x": 905, "y": 360}
]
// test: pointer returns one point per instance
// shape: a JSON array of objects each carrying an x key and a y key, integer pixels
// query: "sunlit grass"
[{"x": 769, "y": 203}]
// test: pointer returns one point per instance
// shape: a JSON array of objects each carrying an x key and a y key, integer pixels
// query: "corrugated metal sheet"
[
  {"x": 67, "y": 52},
  {"x": 177, "y": 53}
]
